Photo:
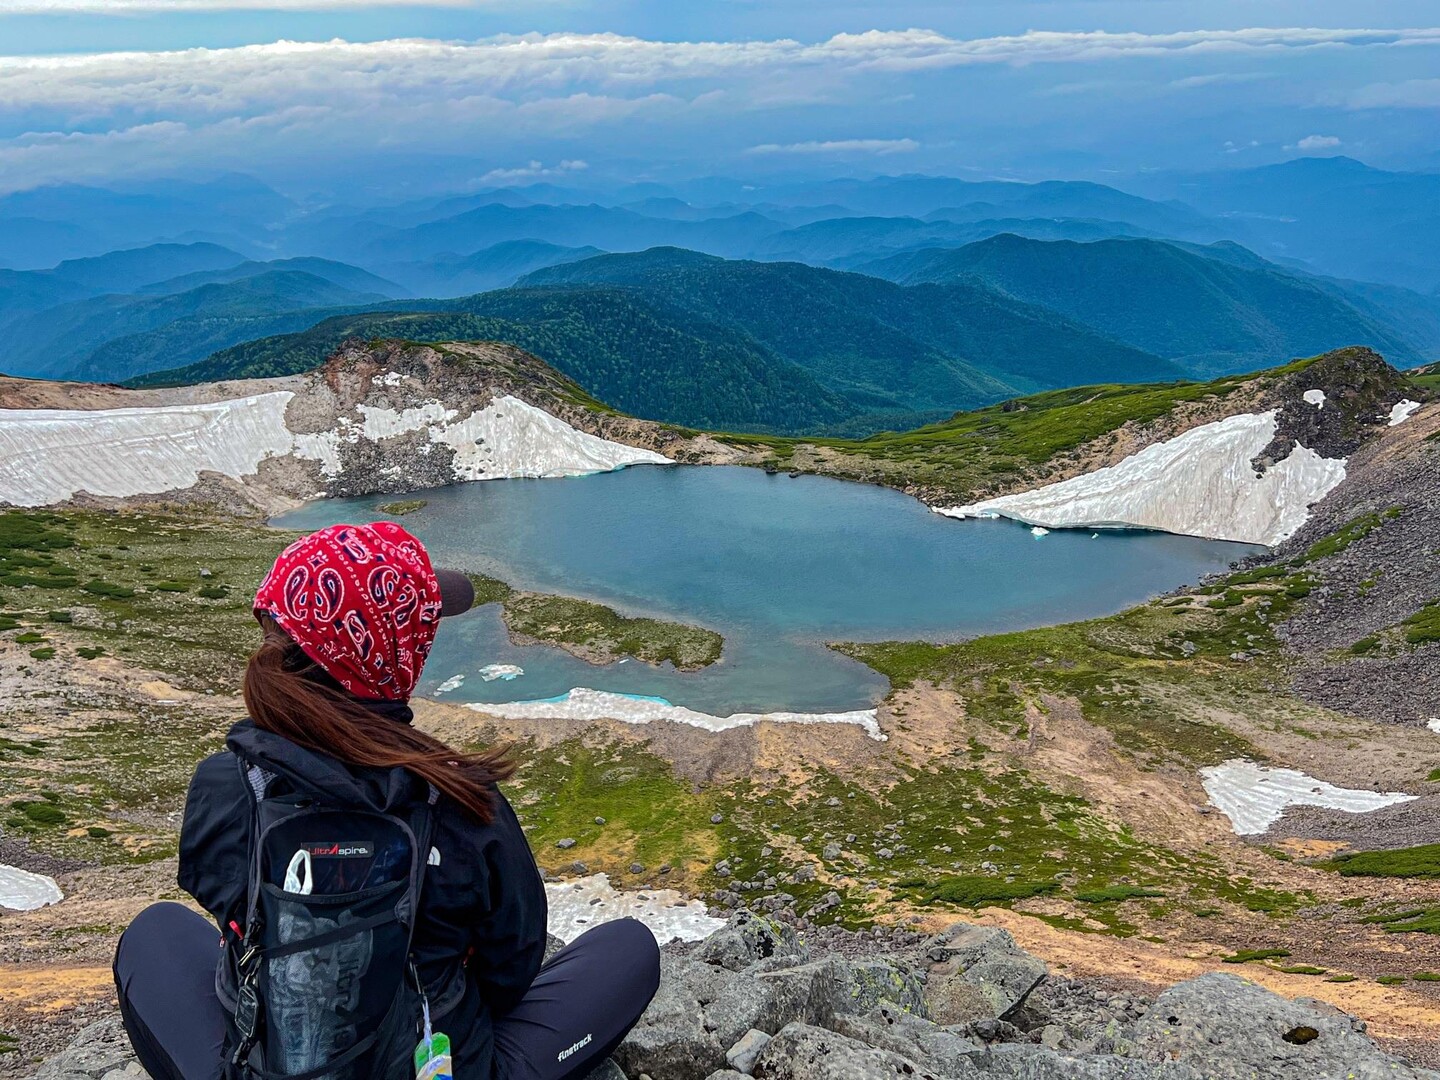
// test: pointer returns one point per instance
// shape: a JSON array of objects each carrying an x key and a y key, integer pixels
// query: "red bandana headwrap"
[{"x": 362, "y": 601}]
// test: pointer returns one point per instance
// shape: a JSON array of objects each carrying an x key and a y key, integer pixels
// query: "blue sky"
[{"x": 337, "y": 96}]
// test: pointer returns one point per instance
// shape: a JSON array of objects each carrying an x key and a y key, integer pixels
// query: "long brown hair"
[{"x": 289, "y": 694}]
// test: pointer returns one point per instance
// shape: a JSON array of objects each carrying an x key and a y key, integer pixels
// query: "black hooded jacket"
[{"x": 480, "y": 937}]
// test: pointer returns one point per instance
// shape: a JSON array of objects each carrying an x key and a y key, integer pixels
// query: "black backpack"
[{"x": 322, "y": 982}]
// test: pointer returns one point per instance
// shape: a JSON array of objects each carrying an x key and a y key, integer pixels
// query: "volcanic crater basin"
[{"x": 778, "y": 565}]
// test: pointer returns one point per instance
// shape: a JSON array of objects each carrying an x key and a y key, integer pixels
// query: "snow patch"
[
  {"x": 49, "y": 455},
  {"x": 1254, "y": 796},
  {"x": 491, "y": 672},
  {"x": 452, "y": 683},
  {"x": 21, "y": 890},
  {"x": 509, "y": 438},
  {"x": 1200, "y": 483},
  {"x": 1401, "y": 412},
  {"x": 1315, "y": 397},
  {"x": 578, "y": 905},
  {"x": 583, "y": 703},
  {"x": 1433, "y": 724}
]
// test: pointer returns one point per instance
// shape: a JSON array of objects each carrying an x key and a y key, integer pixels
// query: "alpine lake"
[{"x": 778, "y": 565}]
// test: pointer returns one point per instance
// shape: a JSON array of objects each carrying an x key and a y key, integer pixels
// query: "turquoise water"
[{"x": 778, "y": 565}]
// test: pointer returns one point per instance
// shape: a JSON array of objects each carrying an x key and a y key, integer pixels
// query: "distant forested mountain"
[
  {"x": 922, "y": 348},
  {"x": 114, "y": 336},
  {"x": 1340, "y": 216},
  {"x": 638, "y": 356},
  {"x": 850, "y": 242},
  {"x": 494, "y": 267},
  {"x": 44, "y": 225},
  {"x": 688, "y": 338},
  {"x": 1212, "y": 310}
]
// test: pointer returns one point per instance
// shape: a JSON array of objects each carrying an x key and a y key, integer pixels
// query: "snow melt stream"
[
  {"x": 21, "y": 890},
  {"x": 1200, "y": 483},
  {"x": 1254, "y": 797},
  {"x": 582, "y": 703},
  {"x": 577, "y": 905}
]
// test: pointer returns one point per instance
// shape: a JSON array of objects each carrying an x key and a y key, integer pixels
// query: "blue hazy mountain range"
[{"x": 964, "y": 291}]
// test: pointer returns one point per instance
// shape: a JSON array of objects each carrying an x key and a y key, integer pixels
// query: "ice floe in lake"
[
  {"x": 491, "y": 672},
  {"x": 582, "y": 903},
  {"x": 1315, "y": 397},
  {"x": 1401, "y": 412},
  {"x": 48, "y": 455},
  {"x": 1200, "y": 483},
  {"x": 21, "y": 890},
  {"x": 1039, "y": 531},
  {"x": 1255, "y": 796},
  {"x": 583, "y": 703},
  {"x": 452, "y": 683}
]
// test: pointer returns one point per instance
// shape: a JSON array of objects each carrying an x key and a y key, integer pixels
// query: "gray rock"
[
  {"x": 1020, "y": 1062},
  {"x": 742, "y": 1055},
  {"x": 980, "y": 973},
  {"x": 726, "y": 1074},
  {"x": 1227, "y": 1029},
  {"x": 101, "y": 1048},
  {"x": 802, "y": 1052},
  {"x": 606, "y": 1070},
  {"x": 748, "y": 939},
  {"x": 553, "y": 945},
  {"x": 942, "y": 1050},
  {"x": 699, "y": 1011},
  {"x": 567, "y": 842},
  {"x": 818, "y": 992}
]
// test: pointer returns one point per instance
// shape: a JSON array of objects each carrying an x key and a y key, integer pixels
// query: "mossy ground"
[
  {"x": 972, "y": 451},
  {"x": 168, "y": 592},
  {"x": 402, "y": 507},
  {"x": 1412, "y": 862},
  {"x": 601, "y": 634},
  {"x": 971, "y": 827}
]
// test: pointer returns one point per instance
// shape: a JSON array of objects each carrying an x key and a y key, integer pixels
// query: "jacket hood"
[{"x": 327, "y": 778}]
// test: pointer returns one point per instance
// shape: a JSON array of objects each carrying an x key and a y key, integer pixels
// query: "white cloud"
[
  {"x": 530, "y": 172},
  {"x": 839, "y": 146},
  {"x": 1316, "y": 142},
  {"x": 1219, "y": 78},
  {"x": 513, "y": 93},
  {"x": 509, "y": 66},
  {"x": 1411, "y": 94}
]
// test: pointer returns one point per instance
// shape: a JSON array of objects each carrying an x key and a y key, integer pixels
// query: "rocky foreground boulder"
[{"x": 756, "y": 1000}]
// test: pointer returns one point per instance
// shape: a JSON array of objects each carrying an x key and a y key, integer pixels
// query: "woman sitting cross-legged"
[{"x": 380, "y": 913}]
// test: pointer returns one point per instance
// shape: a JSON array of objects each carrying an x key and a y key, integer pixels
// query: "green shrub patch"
[
  {"x": 1247, "y": 956},
  {"x": 108, "y": 589},
  {"x": 1412, "y": 862},
  {"x": 977, "y": 890},
  {"x": 1115, "y": 893}
]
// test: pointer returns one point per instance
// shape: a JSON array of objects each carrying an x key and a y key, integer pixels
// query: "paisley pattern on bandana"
[{"x": 362, "y": 601}]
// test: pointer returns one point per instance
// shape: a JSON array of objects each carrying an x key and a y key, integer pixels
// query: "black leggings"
[{"x": 599, "y": 984}]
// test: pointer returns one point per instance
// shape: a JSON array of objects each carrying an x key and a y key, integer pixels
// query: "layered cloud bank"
[
  {"x": 1201, "y": 483},
  {"x": 280, "y": 102}
]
